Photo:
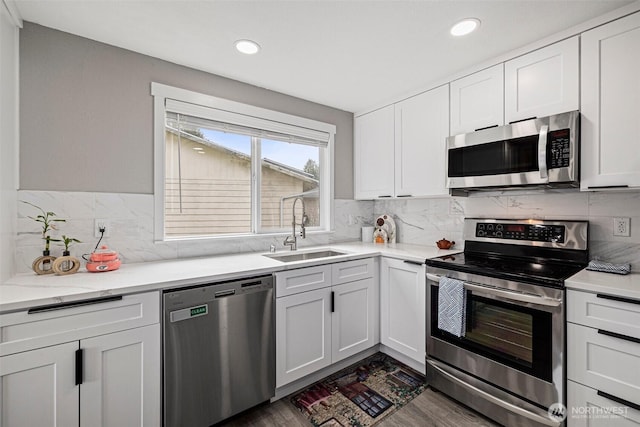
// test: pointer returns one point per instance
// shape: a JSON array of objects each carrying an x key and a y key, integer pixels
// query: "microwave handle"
[{"x": 542, "y": 152}]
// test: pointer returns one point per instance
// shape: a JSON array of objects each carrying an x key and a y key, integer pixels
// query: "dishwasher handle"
[{"x": 225, "y": 293}]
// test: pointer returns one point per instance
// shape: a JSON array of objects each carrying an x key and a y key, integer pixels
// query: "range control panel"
[{"x": 531, "y": 232}]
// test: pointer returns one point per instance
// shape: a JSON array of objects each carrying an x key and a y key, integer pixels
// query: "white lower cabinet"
[
  {"x": 319, "y": 327},
  {"x": 353, "y": 318},
  {"x": 94, "y": 379},
  {"x": 303, "y": 338},
  {"x": 402, "y": 307},
  {"x": 38, "y": 387},
  {"x": 603, "y": 357},
  {"x": 121, "y": 379}
]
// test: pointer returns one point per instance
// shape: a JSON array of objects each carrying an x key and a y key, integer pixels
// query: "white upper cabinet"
[
  {"x": 477, "y": 100},
  {"x": 373, "y": 152},
  {"x": 543, "y": 82},
  {"x": 610, "y": 105},
  {"x": 421, "y": 126}
]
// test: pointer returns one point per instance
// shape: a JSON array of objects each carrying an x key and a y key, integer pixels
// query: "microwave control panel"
[
  {"x": 531, "y": 232},
  {"x": 558, "y": 148}
]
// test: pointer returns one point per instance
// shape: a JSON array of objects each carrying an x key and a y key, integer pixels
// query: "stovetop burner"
[
  {"x": 533, "y": 251},
  {"x": 543, "y": 272}
]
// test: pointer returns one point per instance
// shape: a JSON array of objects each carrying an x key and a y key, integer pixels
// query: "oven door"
[{"x": 514, "y": 335}]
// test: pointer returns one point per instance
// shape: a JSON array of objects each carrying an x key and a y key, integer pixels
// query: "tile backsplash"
[
  {"x": 131, "y": 233},
  {"x": 424, "y": 221},
  {"x": 418, "y": 221}
]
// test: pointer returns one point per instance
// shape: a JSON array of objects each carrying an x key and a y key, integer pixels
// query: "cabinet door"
[
  {"x": 422, "y": 125},
  {"x": 477, "y": 101},
  {"x": 303, "y": 338},
  {"x": 353, "y": 318},
  {"x": 38, "y": 387},
  {"x": 373, "y": 152},
  {"x": 543, "y": 82},
  {"x": 610, "y": 88},
  {"x": 121, "y": 384},
  {"x": 402, "y": 307}
]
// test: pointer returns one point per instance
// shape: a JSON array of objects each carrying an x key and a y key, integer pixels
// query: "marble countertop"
[
  {"x": 606, "y": 283},
  {"x": 30, "y": 290}
]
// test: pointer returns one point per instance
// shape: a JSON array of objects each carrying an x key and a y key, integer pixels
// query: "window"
[{"x": 230, "y": 169}]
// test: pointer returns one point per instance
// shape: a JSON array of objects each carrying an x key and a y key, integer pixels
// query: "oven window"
[
  {"x": 514, "y": 335},
  {"x": 505, "y": 330}
]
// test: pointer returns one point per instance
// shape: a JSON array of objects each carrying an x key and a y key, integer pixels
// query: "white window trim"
[{"x": 161, "y": 93}]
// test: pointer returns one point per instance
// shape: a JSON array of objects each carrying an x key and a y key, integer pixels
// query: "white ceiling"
[{"x": 349, "y": 54}]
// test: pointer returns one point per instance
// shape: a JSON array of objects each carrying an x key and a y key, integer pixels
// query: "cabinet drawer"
[
  {"x": 585, "y": 407},
  {"x": 40, "y": 327},
  {"x": 602, "y": 312},
  {"x": 351, "y": 271},
  {"x": 606, "y": 363},
  {"x": 302, "y": 280}
]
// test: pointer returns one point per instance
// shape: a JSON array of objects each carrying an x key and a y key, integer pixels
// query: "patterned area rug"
[{"x": 362, "y": 394}]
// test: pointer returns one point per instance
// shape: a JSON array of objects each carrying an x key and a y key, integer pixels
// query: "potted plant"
[
  {"x": 66, "y": 264},
  {"x": 42, "y": 265},
  {"x": 68, "y": 241}
]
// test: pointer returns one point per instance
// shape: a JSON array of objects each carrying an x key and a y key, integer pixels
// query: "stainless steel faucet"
[{"x": 292, "y": 240}]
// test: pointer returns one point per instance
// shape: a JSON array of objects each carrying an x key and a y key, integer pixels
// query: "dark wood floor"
[{"x": 430, "y": 408}]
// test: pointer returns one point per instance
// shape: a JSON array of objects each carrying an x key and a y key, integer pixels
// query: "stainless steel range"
[{"x": 507, "y": 360}]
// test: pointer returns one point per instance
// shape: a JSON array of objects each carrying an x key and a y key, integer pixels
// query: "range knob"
[{"x": 498, "y": 233}]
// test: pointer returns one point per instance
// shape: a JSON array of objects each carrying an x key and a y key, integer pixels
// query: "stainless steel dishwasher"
[{"x": 219, "y": 350}]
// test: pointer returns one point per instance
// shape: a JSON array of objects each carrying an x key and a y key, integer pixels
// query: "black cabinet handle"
[
  {"x": 333, "y": 301},
  {"x": 79, "y": 365},
  {"x": 620, "y": 336},
  {"x": 604, "y": 187},
  {"x": 619, "y": 400},
  {"x": 413, "y": 262},
  {"x": 53, "y": 307},
  {"x": 405, "y": 195},
  {"x": 488, "y": 127},
  {"x": 620, "y": 299},
  {"x": 384, "y": 197},
  {"x": 522, "y": 120}
]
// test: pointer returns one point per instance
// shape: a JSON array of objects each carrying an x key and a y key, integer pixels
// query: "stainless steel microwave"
[{"x": 539, "y": 152}]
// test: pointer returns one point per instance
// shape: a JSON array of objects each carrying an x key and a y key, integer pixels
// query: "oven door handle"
[
  {"x": 506, "y": 294},
  {"x": 495, "y": 400}
]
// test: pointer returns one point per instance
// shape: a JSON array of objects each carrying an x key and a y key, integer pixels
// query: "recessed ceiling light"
[
  {"x": 198, "y": 148},
  {"x": 465, "y": 27},
  {"x": 248, "y": 47}
]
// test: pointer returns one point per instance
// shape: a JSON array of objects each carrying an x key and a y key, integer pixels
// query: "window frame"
[{"x": 162, "y": 93}]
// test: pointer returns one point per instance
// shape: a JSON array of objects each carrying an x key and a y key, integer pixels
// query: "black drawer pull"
[
  {"x": 405, "y": 195},
  {"x": 604, "y": 187},
  {"x": 62, "y": 306},
  {"x": 620, "y": 336},
  {"x": 619, "y": 400},
  {"x": 384, "y": 197},
  {"x": 413, "y": 262},
  {"x": 620, "y": 299}
]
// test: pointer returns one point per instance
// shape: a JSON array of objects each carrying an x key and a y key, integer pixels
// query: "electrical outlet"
[
  {"x": 621, "y": 227},
  {"x": 100, "y": 224}
]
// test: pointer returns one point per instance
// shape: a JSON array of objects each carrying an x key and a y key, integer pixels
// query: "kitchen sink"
[{"x": 301, "y": 256}]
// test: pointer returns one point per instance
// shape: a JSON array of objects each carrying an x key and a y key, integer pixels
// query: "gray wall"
[{"x": 86, "y": 114}]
